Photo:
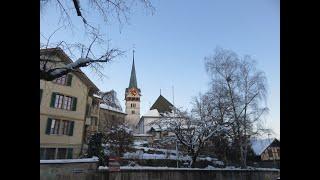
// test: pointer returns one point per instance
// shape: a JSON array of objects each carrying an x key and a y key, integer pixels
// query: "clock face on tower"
[{"x": 133, "y": 92}]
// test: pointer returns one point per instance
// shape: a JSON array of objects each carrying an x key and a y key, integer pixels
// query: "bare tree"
[
  {"x": 87, "y": 54},
  {"x": 105, "y": 9},
  {"x": 243, "y": 89},
  {"x": 193, "y": 129},
  {"x": 51, "y": 68}
]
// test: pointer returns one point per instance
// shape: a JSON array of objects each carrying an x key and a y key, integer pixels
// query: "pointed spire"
[{"x": 133, "y": 78}]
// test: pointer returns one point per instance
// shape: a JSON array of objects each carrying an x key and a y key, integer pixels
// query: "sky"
[{"x": 170, "y": 46}]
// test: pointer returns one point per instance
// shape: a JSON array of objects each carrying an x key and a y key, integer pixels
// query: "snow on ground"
[
  {"x": 167, "y": 154},
  {"x": 155, "y": 149},
  {"x": 139, "y": 155},
  {"x": 139, "y": 143},
  {"x": 55, "y": 161}
]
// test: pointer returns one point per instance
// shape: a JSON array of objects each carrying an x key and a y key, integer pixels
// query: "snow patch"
[{"x": 54, "y": 161}]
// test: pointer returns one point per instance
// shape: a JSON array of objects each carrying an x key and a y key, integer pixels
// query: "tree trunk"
[{"x": 193, "y": 162}]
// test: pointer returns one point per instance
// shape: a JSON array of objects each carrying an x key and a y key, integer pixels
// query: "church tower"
[{"x": 132, "y": 97}]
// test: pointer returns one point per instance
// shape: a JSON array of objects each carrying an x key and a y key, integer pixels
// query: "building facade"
[
  {"x": 64, "y": 110},
  {"x": 146, "y": 125},
  {"x": 110, "y": 117}
]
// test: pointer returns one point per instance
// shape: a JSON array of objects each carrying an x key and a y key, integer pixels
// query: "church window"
[{"x": 132, "y": 112}]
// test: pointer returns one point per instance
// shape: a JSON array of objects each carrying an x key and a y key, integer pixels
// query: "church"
[{"x": 142, "y": 125}]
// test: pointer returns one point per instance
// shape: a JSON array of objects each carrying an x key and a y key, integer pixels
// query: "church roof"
[
  {"x": 133, "y": 78},
  {"x": 162, "y": 105},
  {"x": 259, "y": 145}
]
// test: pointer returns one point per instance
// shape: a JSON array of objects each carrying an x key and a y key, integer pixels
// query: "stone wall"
[
  {"x": 87, "y": 171},
  {"x": 67, "y": 171}
]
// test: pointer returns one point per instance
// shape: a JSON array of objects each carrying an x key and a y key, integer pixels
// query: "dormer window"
[{"x": 64, "y": 80}]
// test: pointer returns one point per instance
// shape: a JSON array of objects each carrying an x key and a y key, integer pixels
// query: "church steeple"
[
  {"x": 133, "y": 78},
  {"x": 132, "y": 97}
]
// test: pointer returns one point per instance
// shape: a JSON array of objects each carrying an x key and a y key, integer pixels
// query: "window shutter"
[
  {"x": 69, "y": 153},
  {"x": 40, "y": 95},
  {"x": 48, "y": 126},
  {"x": 69, "y": 79},
  {"x": 74, "y": 104},
  {"x": 53, "y": 99},
  {"x": 87, "y": 110},
  {"x": 71, "y": 128}
]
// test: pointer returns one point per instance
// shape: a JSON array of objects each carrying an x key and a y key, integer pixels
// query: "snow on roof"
[
  {"x": 209, "y": 168},
  {"x": 105, "y": 106},
  {"x": 110, "y": 98},
  {"x": 55, "y": 161},
  {"x": 259, "y": 145},
  {"x": 152, "y": 113},
  {"x": 97, "y": 96},
  {"x": 142, "y": 135}
]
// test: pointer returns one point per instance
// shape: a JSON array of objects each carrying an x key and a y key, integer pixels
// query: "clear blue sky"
[{"x": 171, "y": 45}]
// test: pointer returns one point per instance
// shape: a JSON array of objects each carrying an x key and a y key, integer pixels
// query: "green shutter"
[
  {"x": 87, "y": 110},
  {"x": 74, "y": 104},
  {"x": 48, "y": 126},
  {"x": 53, "y": 99},
  {"x": 71, "y": 128},
  {"x": 40, "y": 95},
  {"x": 69, "y": 79},
  {"x": 69, "y": 153}
]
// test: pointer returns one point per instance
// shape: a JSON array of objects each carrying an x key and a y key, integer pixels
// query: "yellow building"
[{"x": 68, "y": 111}]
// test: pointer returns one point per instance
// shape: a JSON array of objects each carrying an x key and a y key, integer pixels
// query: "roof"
[
  {"x": 133, "y": 78},
  {"x": 63, "y": 56},
  {"x": 110, "y": 108},
  {"x": 142, "y": 135},
  {"x": 162, "y": 105},
  {"x": 260, "y": 145},
  {"x": 152, "y": 113},
  {"x": 97, "y": 96}
]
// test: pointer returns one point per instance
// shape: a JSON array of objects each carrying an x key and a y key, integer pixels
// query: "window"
[
  {"x": 64, "y": 80},
  {"x": 42, "y": 155},
  {"x": 50, "y": 153},
  {"x": 63, "y": 102},
  {"x": 58, "y": 101},
  {"x": 69, "y": 153},
  {"x": 59, "y": 127},
  {"x": 62, "y": 153},
  {"x": 66, "y": 127},
  {"x": 132, "y": 112},
  {"x": 61, "y": 80},
  {"x": 133, "y": 105},
  {"x": 54, "y": 128},
  {"x": 56, "y": 153},
  {"x": 67, "y": 102}
]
